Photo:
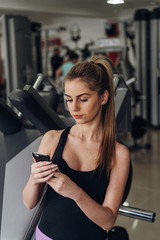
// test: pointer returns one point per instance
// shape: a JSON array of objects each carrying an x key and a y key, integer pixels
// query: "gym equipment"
[
  {"x": 139, "y": 129},
  {"x": 139, "y": 125},
  {"x": 21, "y": 43},
  {"x": 118, "y": 233},
  {"x": 142, "y": 27},
  {"x": 17, "y": 51},
  {"x": 144, "y": 215},
  {"x": 148, "y": 64},
  {"x": 122, "y": 104},
  {"x": 36, "y": 53},
  {"x": 33, "y": 107},
  {"x": 155, "y": 68},
  {"x": 9, "y": 121},
  {"x": 47, "y": 90}
]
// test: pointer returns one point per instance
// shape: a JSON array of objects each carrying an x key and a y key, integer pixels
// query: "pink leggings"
[{"x": 40, "y": 235}]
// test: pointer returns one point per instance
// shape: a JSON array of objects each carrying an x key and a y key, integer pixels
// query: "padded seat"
[
  {"x": 51, "y": 97},
  {"x": 35, "y": 108},
  {"x": 9, "y": 121}
]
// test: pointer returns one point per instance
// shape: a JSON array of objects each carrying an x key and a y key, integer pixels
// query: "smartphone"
[{"x": 40, "y": 157}]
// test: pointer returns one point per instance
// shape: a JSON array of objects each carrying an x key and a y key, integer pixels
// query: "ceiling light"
[{"x": 115, "y": 1}]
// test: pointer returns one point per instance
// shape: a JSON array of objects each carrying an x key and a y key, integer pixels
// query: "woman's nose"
[{"x": 75, "y": 106}]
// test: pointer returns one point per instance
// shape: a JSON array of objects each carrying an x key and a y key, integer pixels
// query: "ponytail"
[{"x": 107, "y": 147}]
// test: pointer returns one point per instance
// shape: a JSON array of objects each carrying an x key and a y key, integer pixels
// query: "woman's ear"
[{"x": 105, "y": 97}]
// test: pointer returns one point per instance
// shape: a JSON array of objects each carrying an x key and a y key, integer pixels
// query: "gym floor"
[{"x": 145, "y": 188}]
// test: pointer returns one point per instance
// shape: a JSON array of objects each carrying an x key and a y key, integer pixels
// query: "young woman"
[{"x": 89, "y": 169}]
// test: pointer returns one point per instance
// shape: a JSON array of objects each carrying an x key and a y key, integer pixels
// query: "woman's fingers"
[
  {"x": 47, "y": 178},
  {"x": 62, "y": 184},
  {"x": 42, "y": 167},
  {"x": 43, "y": 171},
  {"x": 43, "y": 177},
  {"x": 57, "y": 174}
]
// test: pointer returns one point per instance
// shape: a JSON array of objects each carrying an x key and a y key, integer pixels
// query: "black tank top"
[{"x": 62, "y": 218}]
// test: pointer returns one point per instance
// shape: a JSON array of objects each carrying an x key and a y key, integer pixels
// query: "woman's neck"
[{"x": 88, "y": 132}]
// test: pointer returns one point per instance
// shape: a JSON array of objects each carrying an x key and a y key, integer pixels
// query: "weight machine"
[{"x": 148, "y": 64}]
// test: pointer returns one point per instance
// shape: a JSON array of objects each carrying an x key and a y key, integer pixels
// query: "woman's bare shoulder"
[
  {"x": 121, "y": 162},
  {"x": 52, "y": 134},
  {"x": 121, "y": 147},
  {"x": 122, "y": 152},
  {"x": 49, "y": 141}
]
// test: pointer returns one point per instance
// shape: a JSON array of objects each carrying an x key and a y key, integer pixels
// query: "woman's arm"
[
  {"x": 41, "y": 172},
  {"x": 32, "y": 193},
  {"x": 103, "y": 215}
]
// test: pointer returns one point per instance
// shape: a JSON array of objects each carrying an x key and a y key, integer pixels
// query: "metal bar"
[
  {"x": 38, "y": 81},
  {"x": 6, "y": 55},
  {"x": 46, "y": 32},
  {"x": 35, "y": 86},
  {"x": 141, "y": 214}
]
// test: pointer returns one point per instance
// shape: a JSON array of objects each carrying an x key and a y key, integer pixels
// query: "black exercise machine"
[{"x": 9, "y": 120}]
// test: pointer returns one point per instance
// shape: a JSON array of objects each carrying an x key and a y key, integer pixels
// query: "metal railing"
[{"x": 137, "y": 213}]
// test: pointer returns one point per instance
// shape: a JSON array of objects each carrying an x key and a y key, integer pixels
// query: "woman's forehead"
[
  {"x": 76, "y": 84},
  {"x": 77, "y": 87}
]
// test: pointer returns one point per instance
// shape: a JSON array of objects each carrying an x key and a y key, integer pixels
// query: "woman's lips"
[{"x": 77, "y": 116}]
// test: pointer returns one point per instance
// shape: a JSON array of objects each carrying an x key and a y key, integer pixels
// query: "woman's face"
[{"x": 84, "y": 104}]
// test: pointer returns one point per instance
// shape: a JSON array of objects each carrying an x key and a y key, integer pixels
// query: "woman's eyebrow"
[{"x": 78, "y": 95}]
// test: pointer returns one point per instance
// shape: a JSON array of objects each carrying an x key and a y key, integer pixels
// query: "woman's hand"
[
  {"x": 41, "y": 171},
  {"x": 63, "y": 185}
]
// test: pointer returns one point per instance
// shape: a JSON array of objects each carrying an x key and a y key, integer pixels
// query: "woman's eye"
[
  {"x": 84, "y": 100},
  {"x": 68, "y": 100}
]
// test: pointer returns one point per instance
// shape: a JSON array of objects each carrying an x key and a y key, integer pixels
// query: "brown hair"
[{"x": 98, "y": 75}]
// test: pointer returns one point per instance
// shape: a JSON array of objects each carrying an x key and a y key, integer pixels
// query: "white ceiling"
[{"x": 88, "y": 8}]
